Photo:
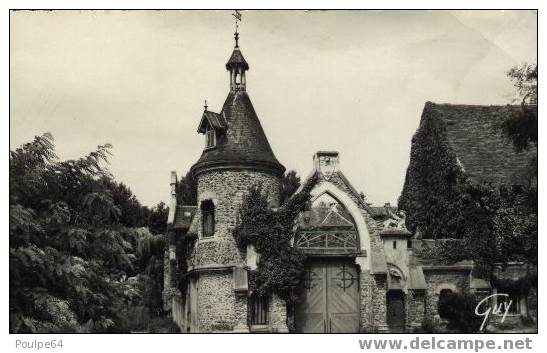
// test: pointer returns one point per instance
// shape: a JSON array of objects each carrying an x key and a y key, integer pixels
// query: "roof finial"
[
  {"x": 205, "y": 105},
  {"x": 237, "y": 16}
]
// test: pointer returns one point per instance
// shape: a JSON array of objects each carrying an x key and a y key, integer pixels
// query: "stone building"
[
  {"x": 363, "y": 271},
  {"x": 467, "y": 140}
]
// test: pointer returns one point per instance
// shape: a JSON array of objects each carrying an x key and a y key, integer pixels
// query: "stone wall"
[
  {"x": 216, "y": 302},
  {"x": 378, "y": 302},
  {"x": 241, "y": 312},
  {"x": 454, "y": 280},
  {"x": 278, "y": 314},
  {"x": 226, "y": 188},
  {"x": 219, "y": 307},
  {"x": 367, "y": 284},
  {"x": 533, "y": 304},
  {"x": 179, "y": 313},
  {"x": 415, "y": 309},
  {"x": 167, "y": 297}
]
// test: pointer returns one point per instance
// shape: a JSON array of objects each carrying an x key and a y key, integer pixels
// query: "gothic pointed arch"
[{"x": 326, "y": 187}]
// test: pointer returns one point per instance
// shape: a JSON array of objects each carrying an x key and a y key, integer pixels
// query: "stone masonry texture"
[{"x": 219, "y": 307}]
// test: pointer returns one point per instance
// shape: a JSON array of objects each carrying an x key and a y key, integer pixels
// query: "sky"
[{"x": 351, "y": 81}]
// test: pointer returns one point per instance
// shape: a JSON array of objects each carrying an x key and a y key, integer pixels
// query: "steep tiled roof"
[
  {"x": 244, "y": 142},
  {"x": 237, "y": 60},
  {"x": 194, "y": 227},
  {"x": 394, "y": 231},
  {"x": 474, "y": 133},
  {"x": 216, "y": 120},
  {"x": 381, "y": 211},
  {"x": 416, "y": 278},
  {"x": 325, "y": 217},
  {"x": 335, "y": 219}
]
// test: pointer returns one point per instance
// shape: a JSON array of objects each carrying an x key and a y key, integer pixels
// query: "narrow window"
[
  {"x": 208, "y": 218},
  {"x": 510, "y": 303},
  {"x": 258, "y": 309},
  {"x": 394, "y": 244},
  {"x": 409, "y": 244},
  {"x": 210, "y": 138}
]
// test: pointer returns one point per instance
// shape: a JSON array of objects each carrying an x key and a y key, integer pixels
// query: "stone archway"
[
  {"x": 446, "y": 286},
  {"x": 356, "y": 212},
  {"x": 330, "y": 295}
]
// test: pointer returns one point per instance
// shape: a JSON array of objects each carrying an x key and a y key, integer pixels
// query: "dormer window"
[
  {"x": 210, "y": 138},
  {"x": 212, "y": 125}
]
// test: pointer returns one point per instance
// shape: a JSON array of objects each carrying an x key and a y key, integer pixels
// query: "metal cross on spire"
[{"x": 237, "y": 16}]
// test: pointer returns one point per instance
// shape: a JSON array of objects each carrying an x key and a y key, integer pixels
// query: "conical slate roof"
[
  {"x": 237, "y": 60},
  {"x": 243, "y": 144}
]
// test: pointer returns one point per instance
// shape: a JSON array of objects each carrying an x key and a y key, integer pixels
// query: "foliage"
[
  {"x": 459, "y": 310},
  {"x": 186, "y": 190},
  {"x": 157, "y": 220},
  {"x": 163, "y": 325},
  {"x": 520, "y": 286},
  {"x": 74, "y": 265},
  {"x": 132, "y": 213},
  {"x": 522, "y": 127},
  {"x": 440, "y": 212},
  {"x": 525, "y": 80},
  {"x": 489, "y": 224},
  {"x": 289, "y": 184},
  {"x": 500, "y": 227},
  {"x": 280, "y": 267}
]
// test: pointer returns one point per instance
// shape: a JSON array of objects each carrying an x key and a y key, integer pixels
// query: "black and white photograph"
[{"x": 274, "y": 171}]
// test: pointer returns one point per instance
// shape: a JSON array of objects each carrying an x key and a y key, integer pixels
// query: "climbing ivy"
[
  {"x": 519, "y": 286},
  {"x": 437, "y": 213},
  {"x": 490, "y": 224},
  {"x": 281, "y": 266}
]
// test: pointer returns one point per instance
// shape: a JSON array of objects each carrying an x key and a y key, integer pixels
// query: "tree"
[
  {"x": 133, "y": 214},
  {"x": 186, "y": 190},
  {"x": 157, "y": 222},
  {"x": 525, "y": 80},
  {"x": 289, "y": 184},
  {"x": 74, "y": 266},
  {"x": 522, "y": 127}
]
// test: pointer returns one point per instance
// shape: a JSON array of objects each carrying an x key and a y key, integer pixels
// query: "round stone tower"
[{"x": 236, "y": 156}]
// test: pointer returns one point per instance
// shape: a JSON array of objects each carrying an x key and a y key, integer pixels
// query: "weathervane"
[{"x": 237, "y": 16}]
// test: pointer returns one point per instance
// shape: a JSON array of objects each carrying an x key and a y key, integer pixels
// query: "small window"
[
  {"x": 409, "y": 244},
  {"x": 208, "y": 218},
  {"x": 509, "y": 302},
  {"x": 258, "y": 310},
  {"x": 394, "y": 244},
  {"x": 210, "y": 138}
]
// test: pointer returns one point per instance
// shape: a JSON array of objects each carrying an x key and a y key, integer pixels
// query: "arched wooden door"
[
  {"x": 330, "y": 298},
  {"x": 396, "y": 310}
]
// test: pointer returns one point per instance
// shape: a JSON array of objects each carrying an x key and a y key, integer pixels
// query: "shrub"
[{"x": 459, "y": 310}]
